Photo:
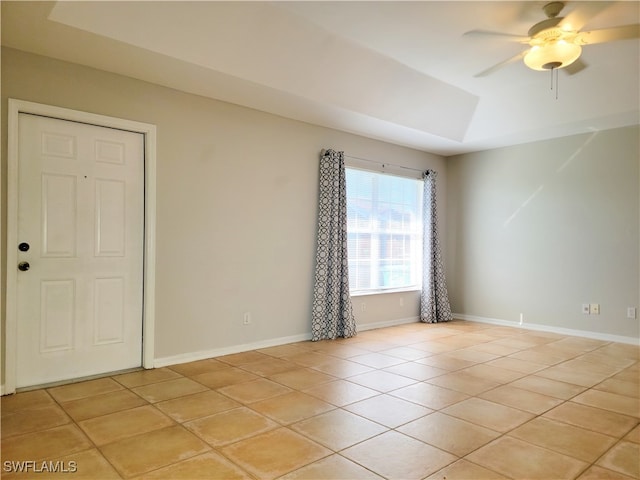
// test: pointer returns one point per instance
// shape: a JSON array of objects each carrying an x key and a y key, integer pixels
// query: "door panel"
[{"x": 81, "y": 209}]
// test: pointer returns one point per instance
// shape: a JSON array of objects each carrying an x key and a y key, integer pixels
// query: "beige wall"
[
  {"x": 236, "y": 203},
  {"x": 542, "y": 228}
]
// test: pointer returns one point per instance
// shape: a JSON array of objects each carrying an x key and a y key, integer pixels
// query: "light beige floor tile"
[
  {"x": 430, "y": 396},
  {"x": 207, "y": 466},
  {"x": 488, "y": 414},
  {"x": 244, "y": 358},
  {"x": 273, "y": 454},
  {"x": 580, "y": 343},
  {"x": 493, "y": 373},
  {"x": 301, "y": 378},
  {"x": 516, "y": 365},
  {"x": 377, "y": 360},
  {"x": 592, "y": 418},
  {"x": 621, "y": 350},
  {"x": 542, "y": 358},
  {"x": 334, "y": 467},
  {"x": 621, "y": 387},
  {"x": 223, "y": 377},
  {"x": 47, "y": 444},
  {"x": 150, "y": 451},
  {"x": 127, "y": 423},
  {"x": 595, "y": 472},
  {"x": 270, "y": 366},
  {"x": 146, "y": 377},
  {"x": 382, "y": 381},
  {"x": 25, "y": 400},
  {"x": 404, "y": 458},
  {"x": 341, "y": 392},
  {"x": 291, "y": 407},
  {"x": 338, "y": 429},
  {"x": 33, "y": 419},
  {"x": 448, "y": 433},
  {"x": 587, "y": 363},
  {"x": 521, "y": 399},
  {"x": 254, "y": 391},
  {"x": 309, "y": 359},
  {"x": 521, "y": 460},
  {"x": 416, "y": 371},
  {"x": 387, "y": 410},
  {"x": 281, "y": 351},
  {"x": 623, "y": 458},
  {"x": 433, "y": 347},
  {"x": 74, "y": 391},
  {"x": 598, "y": 357},
  {"x": 563, "y": 438},
  {"x": 519, "y": 342},
  {"x": 610, "y": 401},
  {"x": 564, "y": 373},
  {"x": 634, "y": 435},
  {"x": 104, "y": 404},
  {"x": 157, "y": 392},
  {"x": 335, "y": 349},
  {"x": 446, "y": 362},
  {"x": 546, "y": 386},
  {"x": 343, "y": 368},
  {"x": 472, "y": 355},
  {"x": 230, "y": 426},
  {"x": 464, "y": 470},
  {"x": 630, "y": 374},
  {"x": 196, "y": 368},
  {"x": 198, "y": 405},
  {"x": 463, "y": 382},
  {"x": 405, "y": 353}
]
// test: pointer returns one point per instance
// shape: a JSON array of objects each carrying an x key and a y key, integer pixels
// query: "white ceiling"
[{"x": 402, "y": 72}]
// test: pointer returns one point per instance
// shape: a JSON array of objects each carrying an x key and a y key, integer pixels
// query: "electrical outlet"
[
  {"x": 631, "y": 313},
  {"x": 246, "y": 320},
  {"x": 402, "y": 301},
  {"x": 594, "y": 309},
  {"x": 585, "y": 308},
  {"x": 363, "y": 307}
]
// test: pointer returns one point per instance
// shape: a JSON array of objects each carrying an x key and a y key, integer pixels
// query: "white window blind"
[{"x": 384, "y": 226}]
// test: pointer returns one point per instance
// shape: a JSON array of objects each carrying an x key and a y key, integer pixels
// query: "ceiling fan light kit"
[
  {"x": 556, "y": 42},
  {"x": 552, "y": 55}
]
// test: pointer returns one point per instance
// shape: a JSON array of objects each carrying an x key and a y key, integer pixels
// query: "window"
[{"x": 384, "y": 227}]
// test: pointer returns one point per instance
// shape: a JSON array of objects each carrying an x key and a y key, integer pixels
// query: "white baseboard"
[
  {"x": 274, "y": 342},
  {"x": 387, "y": 323},
  {"x": 218, "y": 352},
  {"x": 549, "y": 328}
]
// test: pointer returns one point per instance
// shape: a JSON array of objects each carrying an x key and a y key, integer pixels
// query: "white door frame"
[{"x": 148, "y": 305}]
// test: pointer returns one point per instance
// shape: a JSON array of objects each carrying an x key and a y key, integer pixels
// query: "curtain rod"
[{"x": 383, "y": 164}]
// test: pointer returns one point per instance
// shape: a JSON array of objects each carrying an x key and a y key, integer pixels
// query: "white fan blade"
[
  {"x": 488, "y": 33},
  {"x": 498, "y": 66},
  {"x": 584, "y": 12},
  {"x": 624, "y": 32}
]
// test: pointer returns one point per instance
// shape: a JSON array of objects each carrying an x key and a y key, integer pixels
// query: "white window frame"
[{"x": 386, "y": 169}]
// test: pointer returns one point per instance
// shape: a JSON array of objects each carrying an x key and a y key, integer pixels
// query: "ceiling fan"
[{"x": 557, "y": 42}]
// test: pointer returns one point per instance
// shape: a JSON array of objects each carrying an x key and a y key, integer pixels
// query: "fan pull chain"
[{"x": 556, "y": 81}]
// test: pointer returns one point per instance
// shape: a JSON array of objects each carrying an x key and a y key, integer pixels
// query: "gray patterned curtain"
[
  {"x": 332, "y": 314},
  {"x": 434, "y": 301}
]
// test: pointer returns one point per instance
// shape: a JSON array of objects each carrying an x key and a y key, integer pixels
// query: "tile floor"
[{"x": 455, "y": 400}]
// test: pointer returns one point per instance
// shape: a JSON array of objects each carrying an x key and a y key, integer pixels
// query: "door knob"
[
  {"x": 23, "y": 247},
  {"x": 23, "y": 266}
]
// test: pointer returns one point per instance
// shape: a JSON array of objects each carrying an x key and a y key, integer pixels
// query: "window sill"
[{"x": 364, "y": 293}]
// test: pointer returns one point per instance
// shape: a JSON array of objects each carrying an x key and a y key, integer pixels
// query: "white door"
[{"x": 80, "y": 250}]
